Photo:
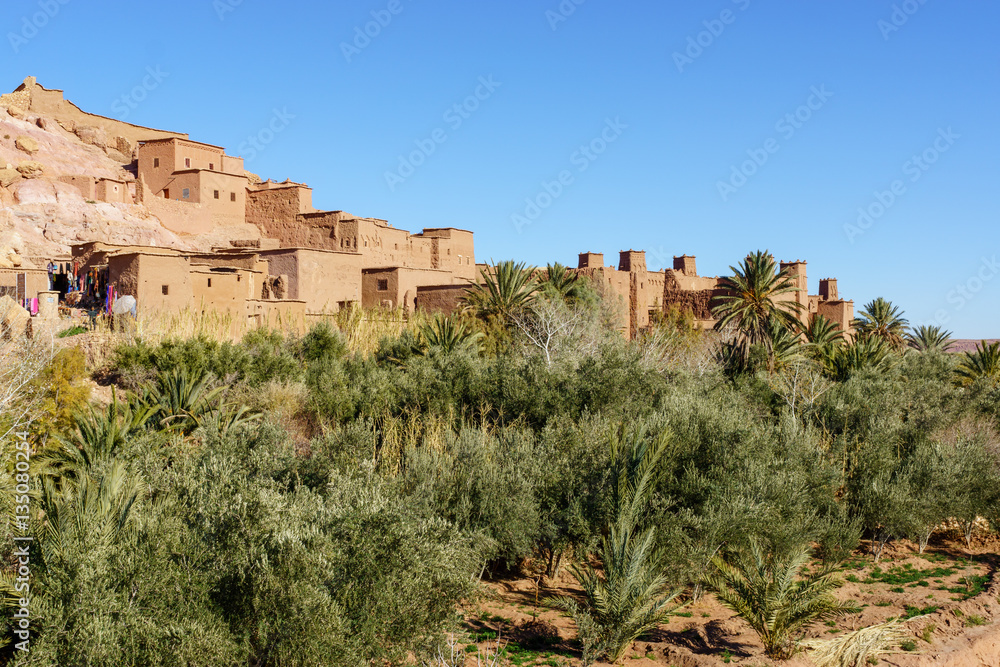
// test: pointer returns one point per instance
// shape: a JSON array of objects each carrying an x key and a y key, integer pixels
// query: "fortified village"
[{"x": 178, "y": 224}]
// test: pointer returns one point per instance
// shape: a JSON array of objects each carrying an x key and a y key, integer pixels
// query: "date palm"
[
  {"x": 506, "y": 290},
  {"x": 752, "y": 301},
  {"x": 880, "y": 319},
  {"x": 448, "y": 334},
  {"x": 929, "y": 339},
  {"x": 632, "y": 595},
  {"x": 768, "y": 590},
  {"x": 560, "y": 280},
  {"x": 868, "y": 352},
  {"x": 983, "y": 363}
]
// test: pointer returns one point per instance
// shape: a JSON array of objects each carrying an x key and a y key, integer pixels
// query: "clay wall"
[
  {"x": 180, "y": 217},
  {"x": 841, "y": 312},
  {"x": 222, "y": 291},
  {"x": 274, "y": 209},
  {"x": 400, "y": 285},
  {"x": 87, "y": 185},
  {"x": 327, "y": 281},
  {"x": 156, "y": 165},
  {"x": 284, "y": 315},
  {"x": 444, "y": 299},
  {"x": 455, "y": 251},
  {"x": 23, "y": 283},
  {"x": 113, "y": 192},
  {"x": 158, "y": 282},
  {"x": 686, "y": 264},
  {"x": 591, "y": 260}
]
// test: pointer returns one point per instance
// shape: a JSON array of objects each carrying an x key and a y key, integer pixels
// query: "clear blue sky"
[{"x": 682, "y": 125}]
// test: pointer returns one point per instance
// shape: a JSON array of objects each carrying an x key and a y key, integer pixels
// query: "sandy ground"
[{"x": 952, "y": 590}]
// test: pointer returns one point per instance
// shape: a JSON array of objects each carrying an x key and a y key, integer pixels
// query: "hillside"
[{"x": 46, "y": 142}]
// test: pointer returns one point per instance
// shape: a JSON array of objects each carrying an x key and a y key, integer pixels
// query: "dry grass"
[{"x": 854, "y": 649}]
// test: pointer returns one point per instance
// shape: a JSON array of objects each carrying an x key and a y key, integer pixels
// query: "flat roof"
[
  {"x": 295, "y": 248},
  {"x": 188, "y": 141},
  {"x": 211, "y": 171},
  {"x": 454, "y": 229},
  {"x": 382, "y": 269}
]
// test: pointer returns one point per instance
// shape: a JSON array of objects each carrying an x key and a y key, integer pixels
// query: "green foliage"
[
  {"x": 505, "y": 290},
  {"x": 62, "y": 392},
  {"x": 766, "y": 588},
  {"x": 883, "y": 321},
  {"x": 929, "y": 339},
  {"x": 631, "y": 595},
  {"x": 982, "y": 364},
  {"x": 754, "y": 304}
]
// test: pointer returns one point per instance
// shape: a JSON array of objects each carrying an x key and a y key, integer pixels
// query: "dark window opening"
[
  {"x": 232, "y": 196},
  {"x": 186, "y": 193},
  {"x": 156, "y": 162},
  {"x": 383, "y": 285},
  {"x": 209, "y": 282},
  {"x": 165, "y": 289},
  {"x": 216, "y": 194},
  {"x": 166, "y": 193},
  {"x": 187, "y": 162},
  {"x": 211, "y": 166}
]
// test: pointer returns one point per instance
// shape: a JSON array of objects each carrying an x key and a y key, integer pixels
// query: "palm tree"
[
  {"x": 505, "y": 291},
  {"x": 632, "y": 595},
  {"x": 983, "y": 363},
  {"x": 881, "y": 319},
  {"x": 867, "y": 352},
  {"x": 822, "y": 331},
  {"x": 560, "y": 280},
  {"x": 929, "y": 339},
  {"x": 768, "y": 591},
  {"x": 98, "y": 436},
  {"x": 183, "y": 399},
  {"x": 752, "y": 301},
  {"x": 447, "y": 335}
]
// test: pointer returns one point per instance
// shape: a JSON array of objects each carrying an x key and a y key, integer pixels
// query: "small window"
[
  {"x": 156, "y": 162},
  {"x": 187, "y": 162},
  {"x": 186, "y": 193},
  {"x": 209, "y": 282},
  {"x": 211, "y": 166},
  {"x": 232, "y": 196},
  {"x": 216, "y": 194},
  {"x": 383, "y": 285},
  {"x": 166, "y": 193},
  {"x": 165, "y": 289}
]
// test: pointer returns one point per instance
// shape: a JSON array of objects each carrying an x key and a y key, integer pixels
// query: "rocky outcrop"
[
  {"x": 31, "y": 169},
  {"x": 9, "y": 176},
  {"x": 26, "y": 144}
]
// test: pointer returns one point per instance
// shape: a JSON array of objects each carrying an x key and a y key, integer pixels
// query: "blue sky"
[{"x": 671, "y": 125}]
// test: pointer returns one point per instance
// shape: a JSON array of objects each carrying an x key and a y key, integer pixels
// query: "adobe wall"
[
  {"x": 286, "y": 315},
  {"x": 402, "y": 286},
  {"x": 33, "y": 282},
  {"x": 841, "y": 312},
  {"x": 52, "y": 104},
  {"x": 325, "y": 280},
  {"x": 223, "y": 291},
  {"x": 112, "y": 192},
  {"x": 444, "y": 299},
  {"x": 180, "y": 217},
  {"x": 455, "y": 251},
  {"x": 146, "y": 277},
  {"x": 275, "y": 211},
  {"x": 87, "y": 185}
]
